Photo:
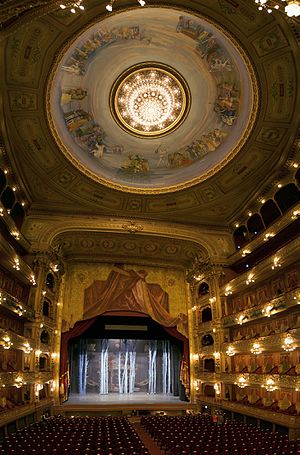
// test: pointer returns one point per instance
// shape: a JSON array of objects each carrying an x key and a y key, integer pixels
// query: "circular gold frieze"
[{"x": 150, "y": 100}]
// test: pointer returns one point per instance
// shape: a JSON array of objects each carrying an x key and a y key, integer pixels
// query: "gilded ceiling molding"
[{"x": 41, "y": 232}]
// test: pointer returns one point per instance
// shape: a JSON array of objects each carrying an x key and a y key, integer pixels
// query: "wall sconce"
[
  {"x": 288, "y": 343},
  {"x": 269, "y": 385},
  {"x": 32, "y": 279},
  {"x": 256, "y": 348},
  {"x": 38, "y": 353},
  {"x": 194, "y": 357},
  {"x": 230, "y": 351},
  {"x": 216, "y": 355},
  {"x": 212, "y": 299}
]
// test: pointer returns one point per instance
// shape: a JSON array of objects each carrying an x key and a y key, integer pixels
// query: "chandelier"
[
  {"x": 290, "y": 7},
  {"x": 256, "y": 348},
  {"x": 269, "y": 385},
  {"x": 230, "y": 351},
  {"x": 242, "y": 382},
  {"x": 149, "y": 100},
  {"x": 288, "y": 343}
]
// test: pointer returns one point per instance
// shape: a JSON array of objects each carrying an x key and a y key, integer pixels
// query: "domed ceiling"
[{"x": 151, "y": 100}]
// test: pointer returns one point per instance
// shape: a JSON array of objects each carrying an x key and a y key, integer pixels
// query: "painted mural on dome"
[{"x": 86, "y": 75}]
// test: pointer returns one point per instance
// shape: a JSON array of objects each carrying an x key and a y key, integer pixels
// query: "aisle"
[{"x": 149, "y": 443}]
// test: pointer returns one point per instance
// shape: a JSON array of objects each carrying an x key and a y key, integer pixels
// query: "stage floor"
[
  {"x": 95, "y": 404},
  {"x": 117, "y": 398}
]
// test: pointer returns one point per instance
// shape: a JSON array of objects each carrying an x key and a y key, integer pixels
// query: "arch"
[
  {"x": 207, "y": 340},
  {"x": 50, "y": 280},
  {"x": 209, "y": 390},
  {"x": 46, "y": 308},
  {"x": 203, "y": 288},
  {"x": 8, "y": 198},
  {"x": 206, "y": 314},
  {"x": 209, "y": 364},
  {"x": 240, "y": 237},
  {"x": 297, "y": 177},
  {"x": 45, "y": 337},
  {"x": 269, "y": 212},
  {"x": 255, "y": 224},
  {"x": 43, "y": 362},
  {"x": 3, "y": 182},
  {"x": 287, "y": 196},
  {"x": 18, "y": 214}
]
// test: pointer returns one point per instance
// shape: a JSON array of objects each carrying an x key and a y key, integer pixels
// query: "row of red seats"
[
  {"x": 76, "y": 436},
  {"x": 198, "y": 435}
]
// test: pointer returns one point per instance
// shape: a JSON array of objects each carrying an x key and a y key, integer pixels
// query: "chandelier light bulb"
[
  {"x": 142, "y": 2},
  {"x": 109, "y": 7},
  {"x": 293, "y": 9}
]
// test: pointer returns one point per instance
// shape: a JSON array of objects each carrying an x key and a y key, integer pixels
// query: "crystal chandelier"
[
  {"x": 109, "y": 6},
  {"x": 149, "y": 100},
  {"x": 290, "y": 7}
]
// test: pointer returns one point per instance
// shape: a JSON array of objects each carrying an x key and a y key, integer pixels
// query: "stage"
[{"x": 122, "y": 404}]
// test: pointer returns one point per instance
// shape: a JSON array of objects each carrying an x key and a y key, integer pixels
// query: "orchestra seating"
[
  {"x": 198, "y": 435},
  {"x": 76, "y": 436}
]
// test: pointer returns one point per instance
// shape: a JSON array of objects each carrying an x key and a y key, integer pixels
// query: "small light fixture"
[
  {"x": 270, "y": 385},
  {"x": 228, "y": 290},
  {"x": 217, "y": 388},
  {"x": 245, "y": 252},
  {"x": 276, "y": 263},
  {"x": 250, "y": 279},
  {"x": 230, "y": 351},
  {"x": 242, "y": 382},
  {"x": 267, "y": 310},
  {"x": 241, "y": 319},
  {"x": 288, "y": 343},
  {"x": 6, "y": 342},
  {"x": 256, "y": 348}
]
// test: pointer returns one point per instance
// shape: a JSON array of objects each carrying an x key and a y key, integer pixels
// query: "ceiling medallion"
[{"x": 150, "y": 100}]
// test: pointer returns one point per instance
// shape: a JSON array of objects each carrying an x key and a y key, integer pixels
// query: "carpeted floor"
[{"x": 149, "y": 443}]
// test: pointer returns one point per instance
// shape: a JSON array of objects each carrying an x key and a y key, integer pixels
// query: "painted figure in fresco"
[
  {"x": 162, "y": 156},
  {"x": 189, "y": 27},
  {"x": 136, "y": 164},
  {"x": 72, "y": 94},
  {"x": 75, "y": 119}
]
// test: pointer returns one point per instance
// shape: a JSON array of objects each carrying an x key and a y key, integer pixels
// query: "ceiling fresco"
[{"x": 221, "y": 102}]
